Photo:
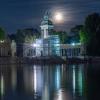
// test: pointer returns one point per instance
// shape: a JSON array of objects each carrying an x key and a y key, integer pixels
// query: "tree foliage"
[
  {"x": 26, "y": 35},
  {"x": 75, "y": 33},
  {"x": 84, "y": 38},
  {"x": 62, "y": 35},
  {"x": 29, "y": 39},
  {"x": 2, "y": 34},
  {"x": 91, "y": 34}
]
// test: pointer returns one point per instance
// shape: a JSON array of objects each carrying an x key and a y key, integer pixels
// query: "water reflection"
[
  {"x": 62, "y": 95},
  {"x": 78, "y": 81},
  {"x": 42, "y": 82},
  {"x": 2, "y": 85},
  {"x": 57, "y": 78},
  {"x": 13, "y": 77}
]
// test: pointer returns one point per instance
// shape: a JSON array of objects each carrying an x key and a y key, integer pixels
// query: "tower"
[{"x": 46, "y": 26}]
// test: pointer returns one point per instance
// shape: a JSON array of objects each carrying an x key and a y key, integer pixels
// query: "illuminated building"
[
  {"x": 47, "y": 45},
  {"x": 13, "y": 48},
  {"x": 71, "y": 50},
  {"x": 46, "y": 26}
]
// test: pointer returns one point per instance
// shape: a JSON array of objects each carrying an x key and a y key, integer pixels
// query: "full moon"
[{"x": 58, "y": 17}]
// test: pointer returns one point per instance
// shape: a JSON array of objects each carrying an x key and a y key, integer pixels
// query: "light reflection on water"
[
  {"x": 62, "y": 95},
  {"x": 42, "y": 82}
]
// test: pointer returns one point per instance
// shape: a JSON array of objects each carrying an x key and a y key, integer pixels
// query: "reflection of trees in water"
[
  {"x": 76, "y": 80},
  {"x": 7, "y": 80},
  {"x": 93, "y": 81},
  {"x": 52, "y": 82}
]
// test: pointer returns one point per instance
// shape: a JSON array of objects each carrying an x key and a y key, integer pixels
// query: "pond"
[{"x": 50, "y": 82}]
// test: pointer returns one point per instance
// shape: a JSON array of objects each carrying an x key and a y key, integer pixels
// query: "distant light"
[
  {"x": 1, "y": 41},
  {"x": 34, "y": 45},
  {"x": 73, "y": 44}
]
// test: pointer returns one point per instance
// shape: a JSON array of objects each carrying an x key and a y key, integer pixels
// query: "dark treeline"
[
  {"x": 90, "y": 34},
  {"x": 25, "y": 35}
]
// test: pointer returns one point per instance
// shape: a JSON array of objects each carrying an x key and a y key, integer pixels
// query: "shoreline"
[{"x": 46, "y": 60}]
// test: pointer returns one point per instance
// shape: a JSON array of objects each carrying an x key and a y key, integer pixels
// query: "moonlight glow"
[{"x": 58, "y": 17}]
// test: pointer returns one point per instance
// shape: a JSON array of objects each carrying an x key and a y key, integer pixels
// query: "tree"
[
  {"x": 62, "y": 35},
  {"x": 92, "y": 34},
  {"x": 75, "y": 33},
  {"x": 2, "y": 34},
  {"x": 29, "y": 39},
  {"x": 84, "y": 38},
  {"x": 12, "y": 36},
  {"x": 27, "y": 35},
  {"x": 20, "y": 36},
  {"x": 76, "y": 29}
]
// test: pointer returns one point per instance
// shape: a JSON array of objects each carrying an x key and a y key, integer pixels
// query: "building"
[
  {"x": 13, "y": 48},
  {"x": 46, "y": 26},
  {"x": 50, "y": 44},
  {"x": 5, "y": 48},
  {"x": 71, "y": 50},
  {"x": 47, "y": 45},
  {"x": 25, "y": 37}
]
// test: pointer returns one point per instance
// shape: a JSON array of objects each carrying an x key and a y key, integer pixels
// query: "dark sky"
[{"x": 15, "y": 14}]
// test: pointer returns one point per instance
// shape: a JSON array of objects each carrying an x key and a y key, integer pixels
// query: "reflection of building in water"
[
  {"x": 13, "y": 77},
  {"x": 13, "y": 48},
  {"x": 5, "y": 79},
  {"x": 46, "y": 88},
  {"x": 2, "y": 85},
  {"x": 33, "y": 79},
  {"x": 62, "y": 94},
  {"x": 44, "y": 82},
  {"x": 76, "y": 78},
  {"x": 52, "y": 81},
  {"x": 58, "y": 77}
]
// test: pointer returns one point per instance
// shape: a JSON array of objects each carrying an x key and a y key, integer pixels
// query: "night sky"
[{"x": 17, "y": 14}]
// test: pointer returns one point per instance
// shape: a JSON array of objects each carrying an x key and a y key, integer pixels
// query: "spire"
[
  {"x": 47, "y": 15},
  {"x": 46, "y": 19},
  {"x": 46, "y": 25}
]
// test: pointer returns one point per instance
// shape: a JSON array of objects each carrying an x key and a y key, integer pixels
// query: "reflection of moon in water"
[{"x": 62, "y": 95}]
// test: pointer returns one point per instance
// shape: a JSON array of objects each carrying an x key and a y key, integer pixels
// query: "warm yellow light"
[{"x": 58, "y": 17}]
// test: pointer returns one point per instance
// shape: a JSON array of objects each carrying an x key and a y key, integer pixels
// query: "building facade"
[
  {"x": 71, "y": 50},
  {"x": 47, "y": 45},
  {"x": 13, "y": 48},
  {"x": 5, "y": 48}
]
